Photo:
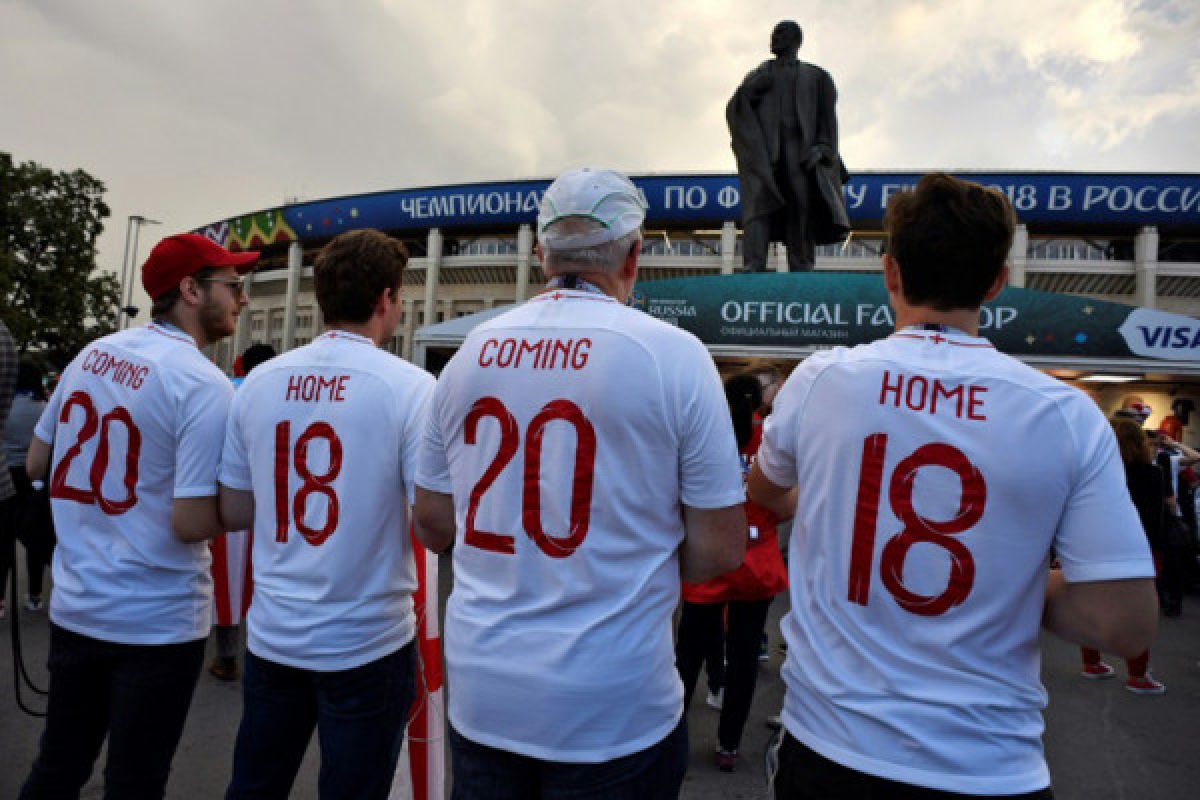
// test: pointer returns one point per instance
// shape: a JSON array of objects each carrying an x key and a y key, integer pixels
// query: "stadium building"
[{"x": 1105, "y": 284}]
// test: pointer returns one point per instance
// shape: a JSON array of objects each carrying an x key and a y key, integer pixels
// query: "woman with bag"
[{"x": 736, "y": 601}]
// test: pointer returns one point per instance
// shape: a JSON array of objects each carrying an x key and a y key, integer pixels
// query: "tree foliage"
[{"x": 54, "y": 300}]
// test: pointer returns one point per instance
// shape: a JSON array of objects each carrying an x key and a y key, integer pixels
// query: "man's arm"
[
  {"x": 1111, "y": 616},
  {"x": 236, "y": 507},
  {"x": 779, "y": 500},
  {"x": 714, "y": 542},
  {"x": 195, "y": 519},
  {"x": 435, "y": 519},
  {"x": 37, "y": 459}
]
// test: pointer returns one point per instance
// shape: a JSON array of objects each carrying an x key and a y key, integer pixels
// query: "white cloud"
[{"x": 193, "y": 111}]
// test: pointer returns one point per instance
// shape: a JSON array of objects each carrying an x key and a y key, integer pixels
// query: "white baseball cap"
[{"x": 602, "y": 195}]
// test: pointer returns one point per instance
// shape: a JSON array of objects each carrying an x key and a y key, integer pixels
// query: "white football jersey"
[
  {"x": 326, "y": 437},
  {"x": 571, "y": 431},
  {"x": 136, "y": 422},
  {"x": 936, "y": 476}
]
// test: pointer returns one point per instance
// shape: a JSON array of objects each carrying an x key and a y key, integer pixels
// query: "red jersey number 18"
[
  {"x": 312, "y": 484},
  {"x": 917, "y": 528}
]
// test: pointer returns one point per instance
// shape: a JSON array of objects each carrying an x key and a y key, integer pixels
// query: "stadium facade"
[{"x": 1131, "y": 239}]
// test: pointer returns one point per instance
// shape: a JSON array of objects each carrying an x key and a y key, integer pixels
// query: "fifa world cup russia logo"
[{"x": 638, "y": 300}]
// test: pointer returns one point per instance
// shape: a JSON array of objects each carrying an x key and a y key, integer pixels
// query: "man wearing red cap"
[{"x": 134, "y": 433}]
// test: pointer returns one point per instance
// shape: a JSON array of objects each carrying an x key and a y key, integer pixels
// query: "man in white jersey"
[
  {"x": 135, "y": 426},
  {"x": 580, "y": 456},
  {"x": 934, "y": 478},
  {"x": 320, "y": 455}
]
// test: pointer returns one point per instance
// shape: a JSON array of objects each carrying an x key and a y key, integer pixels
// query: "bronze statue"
[{"x": 783, "y": 123}]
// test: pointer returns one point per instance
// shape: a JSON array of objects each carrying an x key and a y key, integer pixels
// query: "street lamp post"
[{"x": 129, "y": 266}]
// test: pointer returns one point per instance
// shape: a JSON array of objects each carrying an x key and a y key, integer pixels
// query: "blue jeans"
[
  {"x": 487, "y": 773},
  {"x": 135, "y": 695},
  {"x": 359, "y": 714}
]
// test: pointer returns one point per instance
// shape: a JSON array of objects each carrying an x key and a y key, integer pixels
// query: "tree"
[{"x": 54, "y": 301}]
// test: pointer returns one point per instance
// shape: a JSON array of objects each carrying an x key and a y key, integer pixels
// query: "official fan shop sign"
[{"x": 806, "y": 310}]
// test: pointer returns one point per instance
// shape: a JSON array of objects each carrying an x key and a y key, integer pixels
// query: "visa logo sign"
[{"x": 1158, "y": 334}]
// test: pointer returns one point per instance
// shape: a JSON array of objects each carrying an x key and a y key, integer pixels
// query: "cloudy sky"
[{"x": 197, "y": 110}]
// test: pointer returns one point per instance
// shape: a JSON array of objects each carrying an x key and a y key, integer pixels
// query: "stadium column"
[
  {"x": 410, "y": 325},
  {"x": 781, "y": 264},
  {"x": 1018, "y": 254},
  {"x": 295, "y": 264},
  {"x": 524, "y": 258},
  {"x": 243, "y": 324},
  {"x": 728, "y": 247},
  {"x": 433, "y": 270},
  {"x": 1145, "y": 266}
]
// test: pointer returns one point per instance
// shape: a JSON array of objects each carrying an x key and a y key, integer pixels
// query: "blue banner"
[{"x": 1058, "y": 199}]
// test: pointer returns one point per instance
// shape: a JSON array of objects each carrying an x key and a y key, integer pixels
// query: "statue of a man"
[{"x": 783, "y": 123}]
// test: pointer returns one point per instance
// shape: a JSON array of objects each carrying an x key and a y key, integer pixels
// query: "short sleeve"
[
  {"x": 203, "y": 410},
  {"x": 433, "y": 469},
  {"x": 235, "y": 465},
  {"x": 47, "y": 423},
  {"x": 710, "y": 470},
  {"x": 1099, "y": 536},
  {"x": 414, "y": 432},
  {"x": 777, "y": 454}
]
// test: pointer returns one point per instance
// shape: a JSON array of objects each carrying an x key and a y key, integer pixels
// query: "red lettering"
[
  {"x": 885, "y": 388},
  {"x": 908, "y": 395},
  {"x": 308, "y": 387},
  {"x": 579, "y": 357},
  {"x": 560, "y": 347},
  {"x": 526, "y": 347},
  {"x": 483, "y": 353},
  {"x": 293, "y": 390},
  {"x": 503, "y": 360},
  {"x": 323, "y": 385},
  {"x": 955, "y": 394},
  {"x": 340, "y": 394},
  {"x": 975, "y": 402},
  {"x": 88, "y": 359}
]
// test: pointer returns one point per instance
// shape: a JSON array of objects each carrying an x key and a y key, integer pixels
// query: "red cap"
[{"x": 184, "y": 254}]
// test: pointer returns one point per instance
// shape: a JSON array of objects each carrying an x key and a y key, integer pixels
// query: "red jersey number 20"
[
  {"x": 94, "y": 423},
  {"x": 531, "y": 493},
  {"x": 917, "y": 528}
]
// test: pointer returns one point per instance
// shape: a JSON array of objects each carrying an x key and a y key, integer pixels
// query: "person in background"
[
  {"x": 8, "y": 380},
  {"x": 232, "y": 583},
  {"x": 1144, "y": 480},
  {"x": 742, "y": 597},
  {"x": 29, "y": 519}
]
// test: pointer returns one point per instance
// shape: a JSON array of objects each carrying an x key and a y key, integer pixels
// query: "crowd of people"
[{"x": 589, "y": 471}]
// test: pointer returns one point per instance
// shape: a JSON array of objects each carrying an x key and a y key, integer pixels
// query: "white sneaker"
[{"x": 715, "y": 701}]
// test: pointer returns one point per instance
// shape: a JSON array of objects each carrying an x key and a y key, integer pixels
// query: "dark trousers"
[
  {"x": 136, "y": 695},
  {"x": 1172, "y": 577},
  {"x": 359, "y": 715},
  {"x": 805, "y": 775},
  {"x": 798, "y": 187},
  {"x": 25, "y": 517},
  {"x": 699, "y": 624},
  {"x": 486, "y": 773}
]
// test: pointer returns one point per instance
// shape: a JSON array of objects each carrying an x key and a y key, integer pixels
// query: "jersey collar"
[
  {"x": 171, "y": 331},
  {"x": 562, "y": 287},
  {"x": 941, "y": 334},
  {"x": 337, "y": 333}
]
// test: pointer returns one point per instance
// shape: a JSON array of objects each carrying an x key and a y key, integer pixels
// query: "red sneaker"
[
  {"x": 1145, "y": 685},
  {"x": 1097, "y": 671},
  {"x": 726, "y": 760}
]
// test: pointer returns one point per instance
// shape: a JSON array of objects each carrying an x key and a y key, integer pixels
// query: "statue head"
[{"x": 786, "y": 39}]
